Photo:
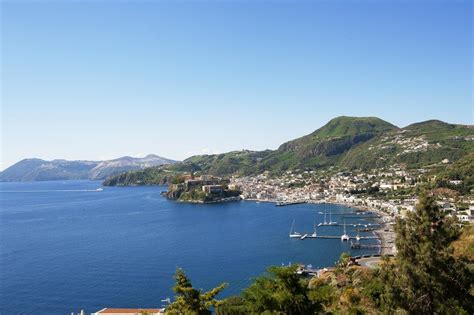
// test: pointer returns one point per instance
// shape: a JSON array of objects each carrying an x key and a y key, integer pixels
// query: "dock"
[
  {"x": 305, "y": 236},
  {"x": 349, "y": 225},
  {"x": 289, "y": 203},
  {"x": 361, "y": 216}
]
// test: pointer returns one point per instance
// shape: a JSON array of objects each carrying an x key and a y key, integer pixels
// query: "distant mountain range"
[
  {"x": 344, "y": 143},
  {"x": 41, "y": 170}
]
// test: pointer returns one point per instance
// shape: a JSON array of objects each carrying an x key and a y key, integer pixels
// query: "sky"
[{"x": 102, "y": 79}]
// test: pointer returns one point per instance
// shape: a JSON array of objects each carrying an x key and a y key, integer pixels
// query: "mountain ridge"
[{"x": 35, "y": 169}]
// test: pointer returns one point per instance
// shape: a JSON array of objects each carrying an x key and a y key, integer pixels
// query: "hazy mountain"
[{"x": 38, "y": 170}]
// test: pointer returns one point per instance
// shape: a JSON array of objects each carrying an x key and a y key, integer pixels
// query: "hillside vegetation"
[{"x": 344, "y": 143}]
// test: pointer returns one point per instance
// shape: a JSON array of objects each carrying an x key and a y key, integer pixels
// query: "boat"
[
  {"x": 314, "y": 233},
  {"x": 99, "y": 189},
  {"x": 294, "y": 234},
  {"x": 325, "y": 222},
  {"x": 331, "y": 222},
  {"x": 357, "y": 237},
  {"x": 345, "y": 237}
]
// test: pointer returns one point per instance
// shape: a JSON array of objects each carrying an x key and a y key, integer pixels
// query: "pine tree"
[
  {"x": 189, "y": 300},
  {"x": 281, "y": 291},
  {"x": 425, "y": 278}
]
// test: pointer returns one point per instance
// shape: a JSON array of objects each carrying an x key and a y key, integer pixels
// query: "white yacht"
[
  {"x": 345, "y": 237},
  {"x": 294, "y": 234}
]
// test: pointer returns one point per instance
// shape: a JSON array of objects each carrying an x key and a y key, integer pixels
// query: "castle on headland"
[{"x": 203, "y": 189}]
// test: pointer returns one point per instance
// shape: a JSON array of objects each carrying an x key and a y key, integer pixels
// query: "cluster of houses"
[
  {"x": 348, "y": 188},
  {"x": 407, "y": 144}
]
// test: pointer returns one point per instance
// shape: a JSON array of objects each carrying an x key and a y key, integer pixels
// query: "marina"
[{"x": 344, "y": 237}]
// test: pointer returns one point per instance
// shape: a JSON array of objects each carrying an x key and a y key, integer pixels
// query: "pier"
[
  {"x": 289, "y": 203},
  {"x": 305, "y": 236},
  {"x": 361, "y": 216},
  {"x": 353, "y": 225}
]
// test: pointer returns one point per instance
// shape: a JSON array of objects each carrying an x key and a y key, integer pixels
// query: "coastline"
[{"x": 222, "y": 200}]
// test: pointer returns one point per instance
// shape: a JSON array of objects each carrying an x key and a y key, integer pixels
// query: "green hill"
[
  {"x": 418, "y": 145},
  {"x": 345, "y": 143},
  {"x": 325, "y": 146}
]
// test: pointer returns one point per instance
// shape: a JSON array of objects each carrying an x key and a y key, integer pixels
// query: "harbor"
[{"x": 365, "y": 227}]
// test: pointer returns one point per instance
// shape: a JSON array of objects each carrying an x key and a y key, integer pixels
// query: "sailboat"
[
  {"x": 294, "y": 234},
  {"x": 323, "y": 223},
  {"x": 344, "y": 237},
  {"x": 331, "y": 222},
  {"x": 314, "y": 233}
]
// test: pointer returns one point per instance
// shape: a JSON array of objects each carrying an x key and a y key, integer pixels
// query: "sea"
[{"x": 67, "y": 246}]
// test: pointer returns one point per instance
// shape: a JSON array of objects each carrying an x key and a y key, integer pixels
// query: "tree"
[
  {"x": 189, "y": 300},
  {"x": 281, "y": 291},
  {"x": 425, "y": 278}
]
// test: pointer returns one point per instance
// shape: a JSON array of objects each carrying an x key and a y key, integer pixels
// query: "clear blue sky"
[{"x": 95, "y": 80}]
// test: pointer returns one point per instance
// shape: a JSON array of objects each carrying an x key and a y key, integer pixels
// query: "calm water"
[{"x": 65, "y": 247}]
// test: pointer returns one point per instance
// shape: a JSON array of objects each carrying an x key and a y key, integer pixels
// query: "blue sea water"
[{"x": 65, "y": 246}]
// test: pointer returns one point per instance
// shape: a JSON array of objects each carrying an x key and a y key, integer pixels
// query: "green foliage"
[
  {"x": 425, "y": 278},
  {"x": 189, "y": 300},
  {"x": 345, "y": 143},
  {"x": 462, "y": 170},
  {"x": 193, "y": 195},
  {"x": 148, "y": 176},
  {"x": 344, "y": 258},
  {"x": 445, "y": 141},
  {"x": 281, "y": 291}
]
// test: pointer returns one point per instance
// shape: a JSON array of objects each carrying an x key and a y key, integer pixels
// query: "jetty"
[
  {"x": 368, "y": 225},
  {"x": 289, "y": 203},
  {"x": 350, "y": 216},
  {"x": 338, "y": 237}
]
